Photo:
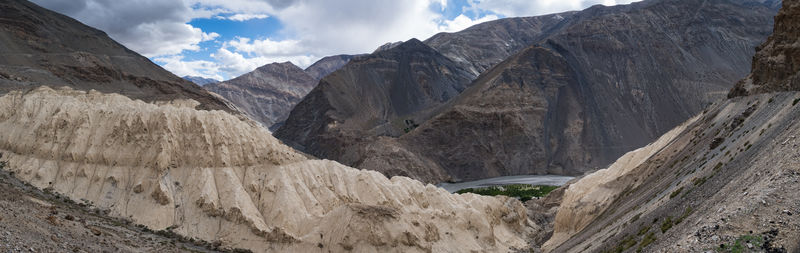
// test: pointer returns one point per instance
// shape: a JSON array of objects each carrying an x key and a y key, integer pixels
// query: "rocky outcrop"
[
  {"x": 199, "y": 80},
  {"x": 41, "y": 47},
  {"x": 776, "y": 66},
  {"x": 212, "y": 176},
  {"x": 328, "y": 65},
  {"x": 268, "y": 93}
]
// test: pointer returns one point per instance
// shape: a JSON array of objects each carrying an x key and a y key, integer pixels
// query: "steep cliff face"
[
  {"x": 268, "y": 93},
  {"x": 380, "y": 94},
  {"x": 776, "y": 66},
  {"x": 212, "y": 176},
  {"x": 727, "y": 176},
  {"x": 41, "y": 47}
]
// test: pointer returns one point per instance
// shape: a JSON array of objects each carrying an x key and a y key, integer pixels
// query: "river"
[{"x": 495, "y": 181}]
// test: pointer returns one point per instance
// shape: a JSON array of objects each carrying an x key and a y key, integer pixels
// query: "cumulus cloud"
[
  {"x": 150, "y": 27},
  {"x": 462, "y": 22},
  {"x": 516, "y": 8},
  {"x": 177, "y": 65},
  {"x": 311, "y": 29}
]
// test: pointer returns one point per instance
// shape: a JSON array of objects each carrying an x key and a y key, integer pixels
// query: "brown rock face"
[
  {"x": 41, "y": 47},
  {"x": 776, "y": 66},
  {"x": 268, "y": 93}
]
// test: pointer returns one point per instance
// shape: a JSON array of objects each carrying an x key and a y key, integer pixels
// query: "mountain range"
[
  {"x": 582, "y": 89},
  {"x": 109, "y": 136},
  {"x": 200, "y": 80},
  {"x": 268, "y": 93}
]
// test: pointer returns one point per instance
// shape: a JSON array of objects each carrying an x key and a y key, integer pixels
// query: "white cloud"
[
  {"x": 462, "y": 22},
  {"x": 243, "y": 17},
  {"x": 177, "y": 65},
  {"x": 516, "y": 8},
  {"x": 150, "y": 27},
  {"x": 311, "y": 28}
]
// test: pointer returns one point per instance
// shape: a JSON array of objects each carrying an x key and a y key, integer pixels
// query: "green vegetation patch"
[
  {"x": 524, "y": 192},
  {"x": 648, "y": 239},
  {"x": 740, "y": 245},
  {"x": 666, "y": 224},
  {"x": 676, "y": 192},
  {"x": 684, "y": 215}
]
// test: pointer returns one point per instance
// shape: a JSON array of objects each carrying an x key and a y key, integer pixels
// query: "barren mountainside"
[
  {"x": 41, "y": 47},
  {"x": 328, "y": 65},
  {"x": 267, "y": 93},
  {"x": 372, "y": 96},
  {"x": 200, "y": 80},
  {"x": 725, "y": 180},
  {"x": 587, "y": 87}
]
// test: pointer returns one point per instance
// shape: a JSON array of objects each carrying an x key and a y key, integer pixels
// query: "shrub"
[
  {"x": 648, "y": 239},
  {"x": 666, "y": 224},
  {"x": 676, "y": 192},
  {"x": 522, "y": 191}
]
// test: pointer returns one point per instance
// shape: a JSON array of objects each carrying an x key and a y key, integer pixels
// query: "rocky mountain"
[
  {"x": 41, "y": 47},
  {"x": 481, "y": 46},
  {"x": 267, "y": 93},
  {"x": 376, "y": 95},
  {"x": 328, "y": 65},
  {"x": 208, "y": 175},
  {"x": 586, "y": 88},
  {"x": 725, "y": 179},
  {"x": 199, "y": 80}
]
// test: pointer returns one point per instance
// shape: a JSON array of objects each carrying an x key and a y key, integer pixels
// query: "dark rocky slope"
[
  {"x": 267, "y": 93},
  {"x": 41, "y": 47},
  {"x": 603, "y": 85},
  {"x": 729, "y": 174},
  {"x": 616, "y": 78},
  {"x": 376, "y": 95},
  {"x": 270, "y": 92},
  {"x": 481, "y": 46},
  {"x": 328, "y": 65}
]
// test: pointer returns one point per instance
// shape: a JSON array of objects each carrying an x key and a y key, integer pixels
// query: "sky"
[{"x": 222, "y": 39}]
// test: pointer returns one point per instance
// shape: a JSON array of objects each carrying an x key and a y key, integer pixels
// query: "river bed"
[{"x": 496, "y": 181}]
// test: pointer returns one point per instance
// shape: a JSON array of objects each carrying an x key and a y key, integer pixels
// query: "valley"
[{"x": 651, "y": 126}]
